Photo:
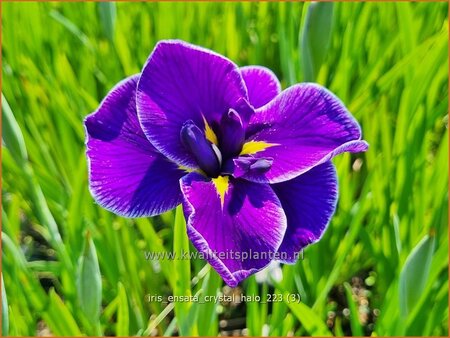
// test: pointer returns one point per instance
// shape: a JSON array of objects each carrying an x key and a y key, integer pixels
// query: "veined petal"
[
  {"x": 308, "y": 125},
  {"x": 127, "y": 175},
  {"x": 183, "y": 82},
  {"x": 249, "y": 168},
  {"x": 309, "y": 201},
  {"x": 238, "y": 235},
  {"x": 231, "y": 134},
  {"x": 262, "y": 85},
  {"x": 207, "y": 154}
]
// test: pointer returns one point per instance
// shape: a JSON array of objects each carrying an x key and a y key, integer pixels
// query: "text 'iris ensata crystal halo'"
[{"x": 250, "y": 163}]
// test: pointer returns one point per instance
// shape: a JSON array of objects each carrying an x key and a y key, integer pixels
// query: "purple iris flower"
[{"x": 250, "y": 163}]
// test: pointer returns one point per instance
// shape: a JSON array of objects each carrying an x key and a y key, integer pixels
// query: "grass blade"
[
  {"x": 5, "y": 318},
  {"x": 89, "y": 284},
  {"x": 123, "y": 317},
  {"x": 182, "y": 273},
  {"x": 59, "y": 318},
  {"x": 312, "y": 323},
  {"x": 315, "y": 38},
  {"x": 207, "y": 312},
  {"x": 354, "y": 320},
  {"x": 414, "y": 274},
  {"x": 11, "y": 134},
  {"x": 107, "y": 12}
]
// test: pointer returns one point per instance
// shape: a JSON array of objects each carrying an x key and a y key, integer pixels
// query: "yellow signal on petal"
[
  {"x": 253, "y": 147},
  {"x": 221, "y": 183},
  {"x": 191, "y": 170},
  {"x": 186, "y": 169},
  {"x": 209, "y": 133}
]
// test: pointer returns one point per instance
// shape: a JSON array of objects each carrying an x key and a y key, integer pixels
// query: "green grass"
[{"x": 381, "y": 267}]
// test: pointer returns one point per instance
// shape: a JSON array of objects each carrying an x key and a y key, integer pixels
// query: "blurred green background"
[{"x": 72, "y": 268}]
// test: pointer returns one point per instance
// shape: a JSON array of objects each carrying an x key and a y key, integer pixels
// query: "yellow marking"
[
  {"x": 182, "y": 167},
  {"x": 221, "y": 184},
  {"x": 209, "y": 133},
  {"x": 191, "y": 170},
  {"x": 252, "y": 147}
]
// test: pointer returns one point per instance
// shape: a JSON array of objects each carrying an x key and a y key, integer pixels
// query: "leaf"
[
  {"x": 107, "y": 12},
  {"x": 73, "y": 28},
  {"x": 89, "y": 282},
  {"x": 254, "y": 323},
  {"x": 414, "y": 274},
  {"x": 5, "y": 319},
  {"x": 182, "y": 272},
  {"x": 12, "y": 135},
  {"x": 123, "y": 320},
  {"x": 354, "y": 318},
  {"x": 315, "y": 37},
  {"x": 13, "y": 138},
  {"x": 207, "y": 312},
  {"x": 155, "y": 322},
  {"x": 312, "y": 323},
  {"x": 59, "y": 318}
]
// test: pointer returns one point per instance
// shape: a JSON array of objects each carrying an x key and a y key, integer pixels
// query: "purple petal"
[
  {"x": 262, "y": 85},
  {"x": 250, "y": 222},
  {"x": 183, "y": 82},
  {"x": 309, "y": 201},
  {"x": 231, "y": 134},
  {"x": 126, "y": 174},
  {"x": 207, "y": 154},
  {"x": 250, "y": 168},
  {"x": 308, "y": 125}
]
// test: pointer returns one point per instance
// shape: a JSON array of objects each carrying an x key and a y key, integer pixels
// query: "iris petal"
[
  {"x": 309, "y": 202},
  {"x": 181, "y": 82},
  {"x": 250, "y": 222},
  {"x": 250, "y": 168},
  {"x": 232, "y": 134},
  {"x": 127, "y": 175},
  {"x": 309, "y": 125},
  {"x": 262, "y": 85},
  {"x": 206, "y": 154}
]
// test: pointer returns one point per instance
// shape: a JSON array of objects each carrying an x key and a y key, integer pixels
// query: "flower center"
[
  {"x": 231, "y": 134},
  {"x": 215, "y": 145},
  {"x": 206, "y": 153},
  {"x": 220, "y": 149}
]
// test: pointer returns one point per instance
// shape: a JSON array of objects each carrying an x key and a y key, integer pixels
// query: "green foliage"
[
  {"x": 89, "y": 284},
  {"x": 182, "y": 276},
  {"x": 315, "y": 37},
  {"x": 5, "y": 314},
  {"x": 107, "y": 12},
  {"x": 414, "y": 274},
  {"x": 386, "y": 249}
]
